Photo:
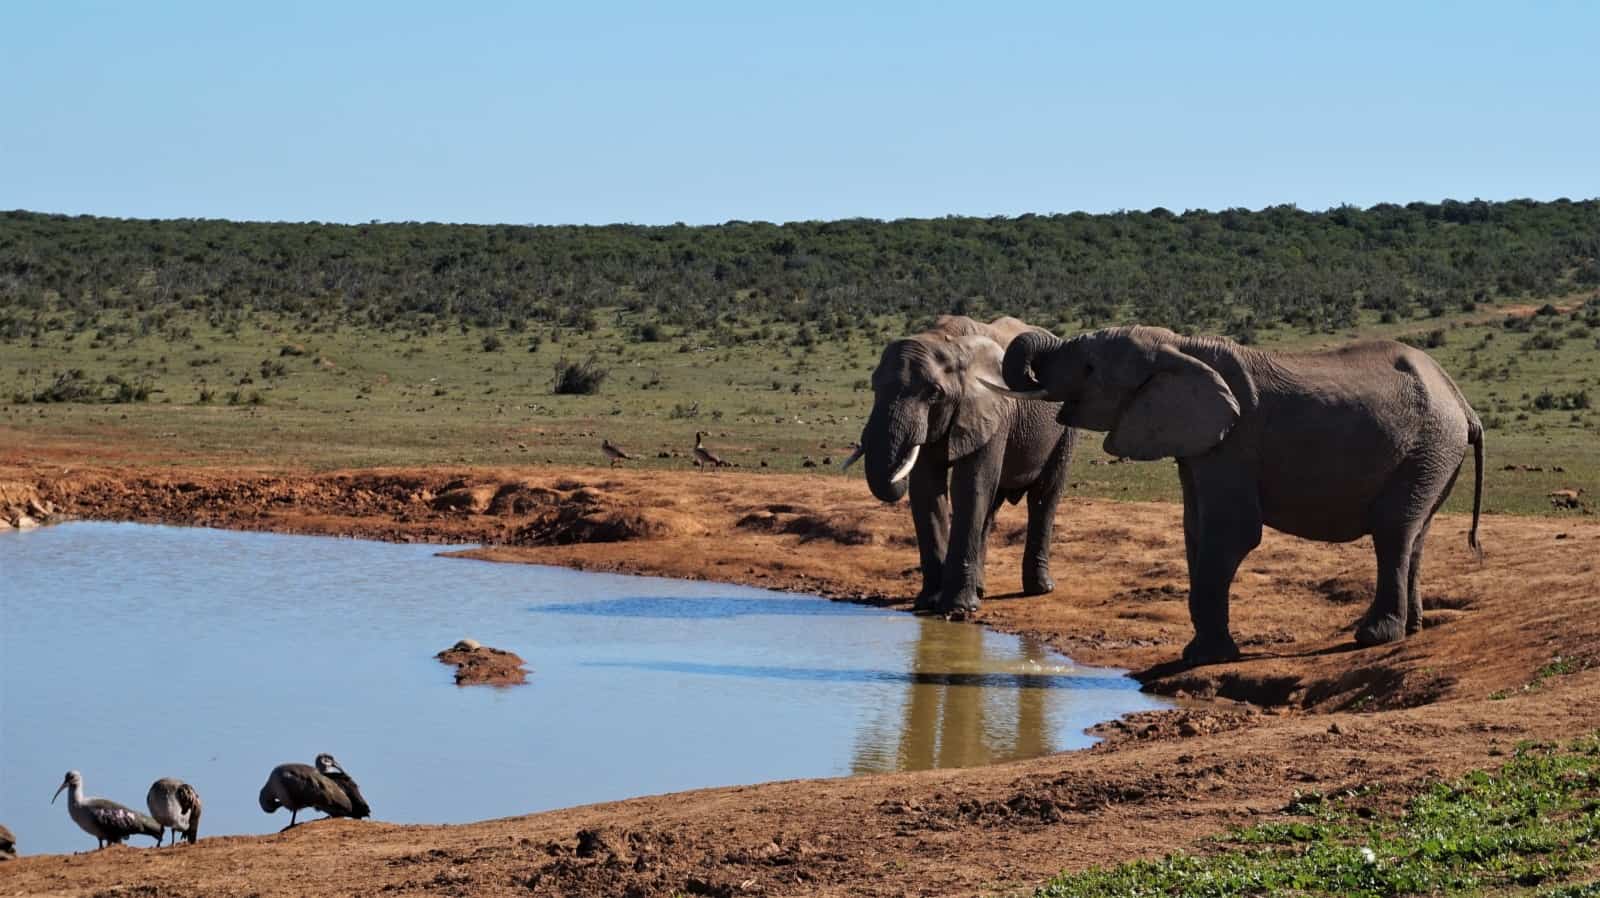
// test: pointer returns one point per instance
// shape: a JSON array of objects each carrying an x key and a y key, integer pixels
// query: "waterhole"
[{"x": 133, "y": 652}]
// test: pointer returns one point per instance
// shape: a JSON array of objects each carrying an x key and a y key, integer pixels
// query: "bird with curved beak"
[{"x": 102, "y": 818}]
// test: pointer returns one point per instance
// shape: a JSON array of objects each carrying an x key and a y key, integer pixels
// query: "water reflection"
[{"x": 956, "y": 709}]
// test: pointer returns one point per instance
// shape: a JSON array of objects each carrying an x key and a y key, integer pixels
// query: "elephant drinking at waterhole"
[
  {"x": 961, "y": 450},
  {"x": 1330, "y": 446}
]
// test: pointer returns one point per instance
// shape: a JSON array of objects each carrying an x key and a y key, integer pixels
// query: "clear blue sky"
[{"x": 703, "y": 112}]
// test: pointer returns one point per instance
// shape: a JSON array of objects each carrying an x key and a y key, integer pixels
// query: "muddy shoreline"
[{"x": 1307, "y": 710}]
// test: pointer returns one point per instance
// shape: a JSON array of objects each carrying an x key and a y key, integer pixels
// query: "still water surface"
[{"x": 132, "y": 652}]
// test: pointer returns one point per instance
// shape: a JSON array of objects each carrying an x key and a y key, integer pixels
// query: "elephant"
[
  {"x": 961, "y": 450},
  {"x": 1362, "y": 440}
]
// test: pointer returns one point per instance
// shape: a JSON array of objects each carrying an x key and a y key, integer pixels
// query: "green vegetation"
[
  {"x": 332, "y": 345},
  {"x": 1232, "y": 271},
  {"x": 1528, "y": 828}
]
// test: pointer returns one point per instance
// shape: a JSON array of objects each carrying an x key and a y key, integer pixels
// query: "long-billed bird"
[
  {"x": 176, "y": 805},
  {"x": 614, "y": 452},
  {"x": 8, "y": 844},
  {"x": 102, "y": 818},
  {"x": 705, "y": 457},
  {"x": 325, "y": 787}
]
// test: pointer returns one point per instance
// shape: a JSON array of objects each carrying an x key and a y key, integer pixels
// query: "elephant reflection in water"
[{"x": 950, "y": 718}]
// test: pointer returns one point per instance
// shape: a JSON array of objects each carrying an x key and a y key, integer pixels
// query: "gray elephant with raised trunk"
[
  {"x": 961, "y": 450},
  {"x": 1330, "y": 446}
]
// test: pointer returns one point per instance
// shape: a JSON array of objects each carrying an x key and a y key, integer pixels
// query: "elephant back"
[{"x": 1002, "y": 330}]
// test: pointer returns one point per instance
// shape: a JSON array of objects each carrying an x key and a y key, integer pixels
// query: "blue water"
[{"x": 132, "y": 652}]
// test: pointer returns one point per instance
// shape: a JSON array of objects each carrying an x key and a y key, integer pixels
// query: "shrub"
[
  {"x": 491, "y": 343},
  {"x": 578, "y": 378}
]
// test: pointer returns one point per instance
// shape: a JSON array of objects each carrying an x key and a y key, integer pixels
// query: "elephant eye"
[{"x": 935, "y": 393}]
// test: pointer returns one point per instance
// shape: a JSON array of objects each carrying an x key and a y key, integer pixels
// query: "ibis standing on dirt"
[
  {"x": 102, "y": 818},
  {"x": 175, "y": 805}
]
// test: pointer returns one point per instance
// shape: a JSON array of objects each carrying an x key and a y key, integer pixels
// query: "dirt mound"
[
  {"x": 480, "y": 665},
  {"x": 1182, "y": 723},
  {"x": 846, "y": 530},
  {"x": 585, "y": 515}
]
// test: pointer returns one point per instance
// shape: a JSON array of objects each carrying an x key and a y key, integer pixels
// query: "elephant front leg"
[
  {"x": 930, "y": 514},
  {"x": 1222, "y": 524},
  {"x": 973, "y": 488}
]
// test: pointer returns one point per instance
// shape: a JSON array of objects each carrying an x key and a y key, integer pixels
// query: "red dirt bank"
[{"x": 1437, "y": 704}]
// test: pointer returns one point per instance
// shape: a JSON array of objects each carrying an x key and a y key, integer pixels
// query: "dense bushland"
[{"x": 1230, "y": 271}]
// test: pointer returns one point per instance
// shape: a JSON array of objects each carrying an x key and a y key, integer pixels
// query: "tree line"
[{"x": 1230, "y": 271}]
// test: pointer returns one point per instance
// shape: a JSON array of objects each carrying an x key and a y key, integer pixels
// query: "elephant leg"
[
  {"x": 1385, "y": 621},
  {"x": 978, "y": 575},
  {"x": 1413, "y": 589},
  {"x": 1222, "y": 523},
  {"x": 1401, "y": 517},
  {"x": 1043, "y": 497},
  {"x": 930, "y": 514},
  {"x": 1413, "y": 574},
  {"x": 974, "y": 483}
]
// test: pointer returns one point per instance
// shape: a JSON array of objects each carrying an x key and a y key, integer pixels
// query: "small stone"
[{"x": 1335, "y": 729}]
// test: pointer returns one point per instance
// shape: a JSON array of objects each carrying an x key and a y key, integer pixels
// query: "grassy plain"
[{"x": 271, "y": 395}]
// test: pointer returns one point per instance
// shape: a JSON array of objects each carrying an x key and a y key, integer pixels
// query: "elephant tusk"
[
  {"x": 905, "y": 467},
  {"x": 1017, "y": 394},
  {"x": 852, "y": 459}
]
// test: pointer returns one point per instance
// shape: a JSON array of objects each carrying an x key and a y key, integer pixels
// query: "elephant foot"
[
  {"x": 927, "y": 600},
  {"x": 961, "y": 604},
  {"x": 1210, "y": 650},
  {"x": 1379, "y": 630},
  {"x": 1038, "y": 584}
]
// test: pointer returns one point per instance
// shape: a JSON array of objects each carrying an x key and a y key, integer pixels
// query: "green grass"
[
  {"x": 343, "y": 397},
  {"x": 1529, "y": 827}
]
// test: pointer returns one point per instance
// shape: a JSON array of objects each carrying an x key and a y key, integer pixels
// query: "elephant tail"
[{"x": 1475, "y": 437}]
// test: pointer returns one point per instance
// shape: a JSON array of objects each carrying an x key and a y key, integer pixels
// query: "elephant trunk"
[
  {"x": 892, "y": 442},
  {"x": 1020, "y": 367}
]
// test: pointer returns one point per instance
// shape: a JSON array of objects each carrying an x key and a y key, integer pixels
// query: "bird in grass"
[
  {"x": 175, "y": 805},
  {"x": 325, "y": 787},
  {"x": 614, "y": 452},
  {"x": 102, "y": 818},
  {"x": 704, "y": 457}
]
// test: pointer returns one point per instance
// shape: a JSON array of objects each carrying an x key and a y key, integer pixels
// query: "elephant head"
[
  {"x": 1137, "y": 383},
  {"x": 926, "y": 393}
]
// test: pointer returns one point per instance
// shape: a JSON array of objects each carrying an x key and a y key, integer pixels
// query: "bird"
[
  {"x": 703, "y": 456},
  {"x": 102, "y": 818},
  {"x": 325, "y": 787},
  {"x": 175, "y": 805},
  {"x": 614, "y": 452},
  {"x": 8, "y": 844}
]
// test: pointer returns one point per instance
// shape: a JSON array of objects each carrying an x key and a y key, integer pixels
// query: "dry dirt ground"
[{"x": 1304, "y": 710}]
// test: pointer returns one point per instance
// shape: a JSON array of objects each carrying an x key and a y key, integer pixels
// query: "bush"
[
  {"x": 578, "y": 378},
  {"x": 491, "y": 343}
]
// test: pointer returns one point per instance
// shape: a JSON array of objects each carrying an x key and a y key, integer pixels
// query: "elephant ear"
[
  {"x": 1184, "y": 409},
  {"x": 982, "y": 411}
]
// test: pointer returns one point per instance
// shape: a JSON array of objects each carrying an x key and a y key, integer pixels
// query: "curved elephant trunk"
[
  {"x": 891, "y": 443},
  {"x": 1020, "y": 365}
]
